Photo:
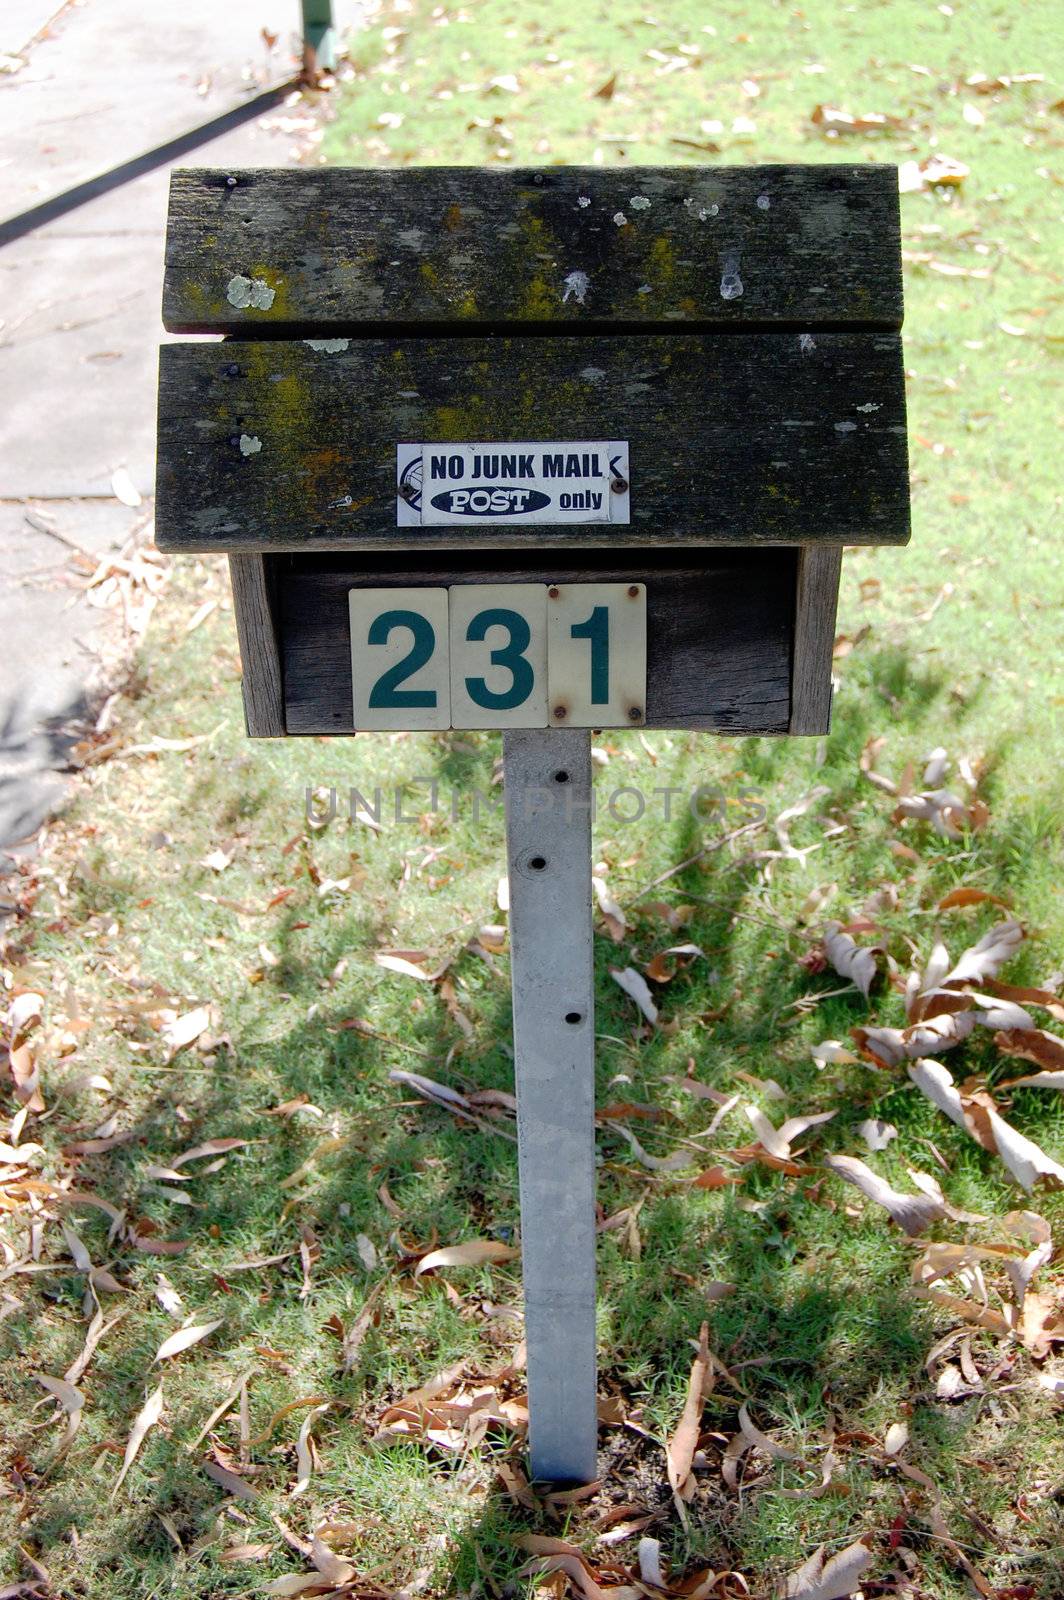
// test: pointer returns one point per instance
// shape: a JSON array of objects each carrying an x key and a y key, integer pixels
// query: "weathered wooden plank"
[
  {"x": 334, "y": 247},
  {"x": 259, "y": 650},
  {"x": 816, "y": 603},
  {"x": 761, "y": 439},
  {"x": 719, "y": 634}
]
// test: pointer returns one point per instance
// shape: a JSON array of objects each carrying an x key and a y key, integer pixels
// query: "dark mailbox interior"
[{"x": 720, "y": 626}]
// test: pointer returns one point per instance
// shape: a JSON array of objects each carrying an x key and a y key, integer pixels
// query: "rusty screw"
[
  {"x": 633, "y": 591},
  {"x": 407, "y": 491},
  {"x": 635, "y": 714},
  {"x": 553, "y": 591},
  {"x": 560, "y": 713},
  {"x": 618, "y": 484}
]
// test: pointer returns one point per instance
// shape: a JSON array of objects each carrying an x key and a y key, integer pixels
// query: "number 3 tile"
[
  {"x": 399, "y": 659},
  {"x": 499, "y": 655}
]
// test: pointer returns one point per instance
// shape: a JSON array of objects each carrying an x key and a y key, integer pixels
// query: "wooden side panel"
[
  {"x": 327, "y": 248},
  {"x": 259, "y": 649},
  {"x": 816, "y": 603},
  {"x": 719, "y": 634},
  {"x": 745, "y": 439}
]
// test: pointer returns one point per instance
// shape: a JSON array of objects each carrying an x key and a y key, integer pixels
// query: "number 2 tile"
[{"x": 399, "y": 659}]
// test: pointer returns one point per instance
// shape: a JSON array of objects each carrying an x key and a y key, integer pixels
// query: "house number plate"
[{"x": 511, "y": 655}]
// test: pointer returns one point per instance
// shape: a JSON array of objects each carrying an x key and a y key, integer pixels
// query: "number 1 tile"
[{"x": 596, "y": 655}]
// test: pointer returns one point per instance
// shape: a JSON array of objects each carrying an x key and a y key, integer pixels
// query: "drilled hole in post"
[
  {"x": 537, "y": 863},
  {"x": 561, "y": 777},
  {"x": 573, "y": 1017}
]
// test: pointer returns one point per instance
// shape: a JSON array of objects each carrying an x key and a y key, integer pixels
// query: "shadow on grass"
[{"x": 817, "y": 1328}]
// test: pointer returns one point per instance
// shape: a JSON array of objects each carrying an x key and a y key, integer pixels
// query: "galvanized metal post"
[
  {"x": 319, "y": 39},
  {"x": 547, "y": 777}
]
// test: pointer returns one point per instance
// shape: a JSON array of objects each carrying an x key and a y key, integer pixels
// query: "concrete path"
[{"x": 102, "y": 81}]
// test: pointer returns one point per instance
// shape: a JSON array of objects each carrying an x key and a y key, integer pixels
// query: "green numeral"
[
  {"x": 386, "y": 693},
  {"x": 597, "y": 630},
  {"x": 510, "y": 655}
]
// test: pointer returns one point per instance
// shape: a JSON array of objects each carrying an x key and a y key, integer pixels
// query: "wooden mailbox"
[
  {"x": 736, "y": 330},
  {"x": 541, "y": 451}
]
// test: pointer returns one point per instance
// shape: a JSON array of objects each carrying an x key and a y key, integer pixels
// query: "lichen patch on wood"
[{"x": 249, "y": 293}]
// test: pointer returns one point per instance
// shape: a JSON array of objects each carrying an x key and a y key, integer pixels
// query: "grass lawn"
[{"x": 186, "y": 875}]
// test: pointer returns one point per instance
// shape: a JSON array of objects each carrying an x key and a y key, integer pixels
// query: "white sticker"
[{"x": 559, "y": 481}]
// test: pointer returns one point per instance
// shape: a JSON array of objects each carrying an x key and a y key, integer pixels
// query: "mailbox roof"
[{"x": 342, "y": 249}]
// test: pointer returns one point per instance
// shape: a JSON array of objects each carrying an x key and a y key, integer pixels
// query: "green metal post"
[{"x": 319, "y": 39}]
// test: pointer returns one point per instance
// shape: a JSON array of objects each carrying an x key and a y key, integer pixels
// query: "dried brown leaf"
[
  {"x": 1026, "y": 996},
  {"x": 949, "y": 814},
  {"x": 184, "y": 1338},
  {"x": 304, "y": 1454},
  {"x": 889, "y": 1047},
  {"x": 1030, "y": 1228},
  {"x": 850, "y": 960},
  {"x": 831, "y": 1051},
  {"x": 778, "y": 1141},
  {"x": 71, "y": 1399},
  {"x": 876, "y": 1133},
  {"x": 245, "y": 1552},
  {"x": 179, "y": 1032},
  {"x": 680, "y": 1448},
  {"x": 231, "y": 1482},
  {"x": 211, "y": 1147},
  {"x": 834, "y": 1579},
  {"x": 1033, "y": 1044},
  {"x": 473, "y": 1253},
  {"x": 757, "y": 1440},
  {"x": 968, "y": 897},
  {"x": 394, "y": 962},
  {"x": 671, "y": 1163},
  {"x": 983, "y": 959},
  {"x": 978, "y": 1115},
  {"x": 636, "y": 988},
  {"x": 144, "y": 1421},
  {"x": 896, "y": 1438},
  {"x": 913, "y": 1213},
  {"x": 329, "y": 1564},
  {"x": 612, "y": 914}
]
